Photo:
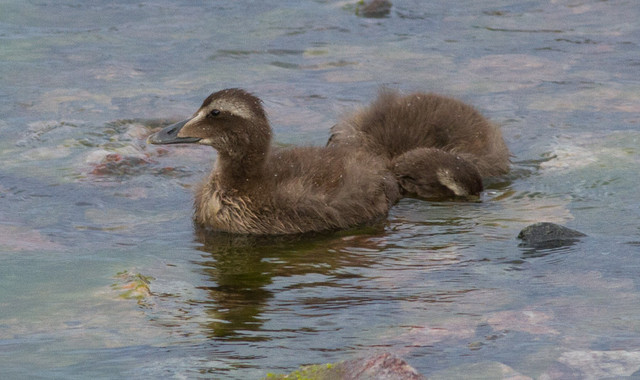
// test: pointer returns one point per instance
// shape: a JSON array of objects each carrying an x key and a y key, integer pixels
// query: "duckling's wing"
[{"x": 330, "y": 188}]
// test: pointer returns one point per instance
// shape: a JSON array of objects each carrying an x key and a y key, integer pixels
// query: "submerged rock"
[
  {"x": 595, "y": 365},
  {"x": 480, "y": 370},
  {"x": 548, "y": 235},
  {"x": 20, "y": 238},
  {"x": 383, "y": 366}
]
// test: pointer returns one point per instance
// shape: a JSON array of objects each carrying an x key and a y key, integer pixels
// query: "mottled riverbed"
[{"x": 103, "y": 275}]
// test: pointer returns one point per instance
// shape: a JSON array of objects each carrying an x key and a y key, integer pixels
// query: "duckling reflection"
[
  {"x": 241, "y": 269},
  {"x": 421, "y": 144}
]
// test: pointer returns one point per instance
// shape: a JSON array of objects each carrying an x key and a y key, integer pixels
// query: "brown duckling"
[
  {"x": 437, "y": 147},
  {"x": 257, "y": 189}
]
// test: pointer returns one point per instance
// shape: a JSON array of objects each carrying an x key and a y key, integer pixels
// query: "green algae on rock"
[
  {"x": 383, "y": 366},
  {"x": 133, "y": 285}
]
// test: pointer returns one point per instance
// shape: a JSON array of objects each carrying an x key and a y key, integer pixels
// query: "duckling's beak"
[{"x": 169, "y": 135}]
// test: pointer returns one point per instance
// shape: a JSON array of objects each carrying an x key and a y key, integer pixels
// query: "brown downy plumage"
[
  {"x": 435, "y": 145},
  {"x": 257, "y": 189},
  {"x": 426, "y": 144}
]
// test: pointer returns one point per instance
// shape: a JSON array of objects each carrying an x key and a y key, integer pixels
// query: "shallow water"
[{"x": 102, "y": 273}]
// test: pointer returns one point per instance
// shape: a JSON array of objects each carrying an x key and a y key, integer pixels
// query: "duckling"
[
  {"x": 436, "y": 146},
  {"x": 258, "y": 189}
]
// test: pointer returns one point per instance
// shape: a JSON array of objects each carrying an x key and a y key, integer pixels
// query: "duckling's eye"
[{"x": 214, "y": 113}]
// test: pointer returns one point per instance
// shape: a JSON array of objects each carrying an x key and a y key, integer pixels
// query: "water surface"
[{"x": 103, "y": 275}]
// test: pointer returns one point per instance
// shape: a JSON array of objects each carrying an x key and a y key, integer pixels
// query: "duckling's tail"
[{"x": 435, "y": 145}]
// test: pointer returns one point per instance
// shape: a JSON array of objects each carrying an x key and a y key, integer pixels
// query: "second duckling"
[
  {"x": 421, "y": 144},
  {"x": 437, "y": 146}
]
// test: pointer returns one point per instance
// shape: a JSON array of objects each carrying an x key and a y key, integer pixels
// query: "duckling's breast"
[{"x": 218, "y": 210}]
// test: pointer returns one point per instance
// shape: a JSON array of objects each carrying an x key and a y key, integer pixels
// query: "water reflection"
[
  {"x": 544, "y": 248},
  {"x": 241, "y": 269}
]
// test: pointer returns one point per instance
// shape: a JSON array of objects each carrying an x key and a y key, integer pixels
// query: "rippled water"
[{"x": 102, "y": 273}]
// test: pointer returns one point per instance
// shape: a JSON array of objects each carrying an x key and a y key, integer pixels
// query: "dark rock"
[
  {"x": 548, "y": 235},
  {"x": 374, "y": 9}
]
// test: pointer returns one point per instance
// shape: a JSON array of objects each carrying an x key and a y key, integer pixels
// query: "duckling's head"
[{"x": 232, "y": 121}]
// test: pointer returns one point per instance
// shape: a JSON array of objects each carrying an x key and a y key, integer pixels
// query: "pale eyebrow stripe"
[{"x": 234, "y": 107}]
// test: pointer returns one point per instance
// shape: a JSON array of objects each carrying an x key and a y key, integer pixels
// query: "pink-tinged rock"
[
  {"x": 427, "y": 335},
  {"x": 117, "y": 164},
  {"x": 528, "y": 321},
  {"x": 384, "y": 366},
  {"x": 22, "y": 239},
  {"x": 433, "y": 334}
]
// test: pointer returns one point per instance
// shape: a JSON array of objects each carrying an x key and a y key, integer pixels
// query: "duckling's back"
[
  {"x": 396, "y": 124},
  {"x": 440, "y": 132}
]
